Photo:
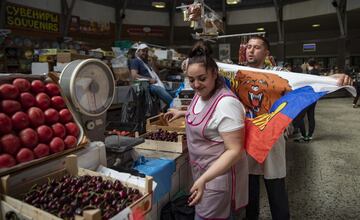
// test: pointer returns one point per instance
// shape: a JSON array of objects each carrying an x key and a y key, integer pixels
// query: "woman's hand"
[
  {"x": 197, "y": 190},
  {"x": 342, "y": 79},
  {"x": 173, "y": 114}
]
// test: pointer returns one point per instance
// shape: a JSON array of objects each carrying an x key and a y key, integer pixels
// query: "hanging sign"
[
  {"x": 145, "y": 31},
  {"x": 309, "y": 47},
  {"x": 22, "y": 17},
  {"x": 224, "y": 52}
]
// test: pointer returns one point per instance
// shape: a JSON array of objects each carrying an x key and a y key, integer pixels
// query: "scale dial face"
[{"x": 92, "y": 88}]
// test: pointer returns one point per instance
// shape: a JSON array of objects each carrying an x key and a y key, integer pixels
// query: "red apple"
[
  {"x": 36, "y": 116},
  {"x": 6, "y": 160},
  {"x": 27, "y": 100},
  {"x": 23, "y": 85},
  {"x": 59, "y": 130},
  {"x": 28, "y": 138},
  {"x": 20, "y": 120},
  {"x": 5, "y": 124},
  {"x": 10, "y": 144},
  {"x": 51, "y": 116},
  {"x": 41, "y": 150},
  {"x": 56, "y": 145},
  {"x": 65, "y": 116},
  {"x": 8, "y": 91},
  {"x": 52, "y": 89},
  {"x": 70, "y": 142},
  {"x": 37, "y": 86},
  {"x": 24, "y": 155}
]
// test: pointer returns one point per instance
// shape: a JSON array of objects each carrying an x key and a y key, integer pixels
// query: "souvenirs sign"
[{"x": 22, "y": 17}]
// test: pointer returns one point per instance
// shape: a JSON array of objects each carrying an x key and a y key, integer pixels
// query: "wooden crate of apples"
[{"x": 35, "y": 122}]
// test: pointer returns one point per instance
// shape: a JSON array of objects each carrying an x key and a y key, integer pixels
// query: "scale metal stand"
[{"x": 89, "y": 87}]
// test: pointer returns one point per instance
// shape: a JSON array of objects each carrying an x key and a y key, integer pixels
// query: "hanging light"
[
  {"x": 260, "y": 29},
  {"x": 315, "y": 25},
  {"x": 232, "y": 2},
  {"x": 158, "y": 4}
]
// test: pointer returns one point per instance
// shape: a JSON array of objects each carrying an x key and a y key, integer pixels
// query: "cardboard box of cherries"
[{"x": 34, "y": 121}]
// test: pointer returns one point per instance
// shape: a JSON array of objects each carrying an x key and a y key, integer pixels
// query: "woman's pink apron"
[{"x": 226, "y": 192}]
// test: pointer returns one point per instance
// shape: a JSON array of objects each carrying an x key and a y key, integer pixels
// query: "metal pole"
[
  {"x": 2, "y": 14},
  {"x": 172, "y": 21}
]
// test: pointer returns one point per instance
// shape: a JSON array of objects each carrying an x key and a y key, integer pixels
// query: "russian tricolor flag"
[{"x": 272, "y": 100}]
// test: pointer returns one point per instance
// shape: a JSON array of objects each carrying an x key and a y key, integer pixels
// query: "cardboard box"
[
  {"x": 121, "y": 74},
  {"x": 68, "y": 57}
]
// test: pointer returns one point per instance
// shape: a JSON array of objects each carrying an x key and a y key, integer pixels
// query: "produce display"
[
  {"x": 242, "y": 54},
  {"x": 69, "y": 196},
  {"x": 162, "y": 135},
  {"x": 34, "y": 121},
  {"x": 118, "y": 132}
]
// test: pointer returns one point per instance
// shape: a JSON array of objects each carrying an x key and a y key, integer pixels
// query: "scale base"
[{"x": 94, "y": 127}]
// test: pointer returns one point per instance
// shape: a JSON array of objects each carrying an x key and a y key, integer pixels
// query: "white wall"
[
  {"x": 352, "y": 4},
  {"x": 93, "y": 12},
  {"x": 308, "y": 9},
  {"x": 146, "y": 18},
  {"x": 257, "y": 15}
]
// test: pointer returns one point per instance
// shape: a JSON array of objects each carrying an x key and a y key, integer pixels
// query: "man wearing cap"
[{"x": 141, "y": 69}]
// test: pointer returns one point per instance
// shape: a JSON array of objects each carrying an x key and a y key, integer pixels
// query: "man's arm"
[
  {"x": 135, "y": 75},
  {"x": 134, "y": 70}
]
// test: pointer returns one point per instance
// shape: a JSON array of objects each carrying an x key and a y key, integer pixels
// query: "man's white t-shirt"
[{"x": 228, "y": 116}]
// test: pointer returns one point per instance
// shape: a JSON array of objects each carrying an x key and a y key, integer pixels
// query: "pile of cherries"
[
  {"x": 69, "y": 196},
  {"x": 162, "y": 135}
]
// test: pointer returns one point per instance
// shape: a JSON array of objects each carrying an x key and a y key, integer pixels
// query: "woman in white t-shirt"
[{"x": 215, "y": 137}]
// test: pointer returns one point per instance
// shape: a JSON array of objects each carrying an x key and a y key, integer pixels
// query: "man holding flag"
[{"x": 272, "y": 100}]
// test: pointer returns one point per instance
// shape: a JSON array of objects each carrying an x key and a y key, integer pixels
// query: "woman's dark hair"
[{"x": 201, "y": 54}]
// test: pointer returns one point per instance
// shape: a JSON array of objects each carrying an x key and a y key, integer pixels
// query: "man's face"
[
  {"x": 256, "y": 53},
  {"x": 143, "y": 54}
]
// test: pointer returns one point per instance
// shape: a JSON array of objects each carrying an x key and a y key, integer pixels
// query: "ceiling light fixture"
[
  {"x": 260, "y": 29},
  {"x": 158, "y": 4},
  {"x": 232, "y": 2},
  {"x": 315, "y": 25}
]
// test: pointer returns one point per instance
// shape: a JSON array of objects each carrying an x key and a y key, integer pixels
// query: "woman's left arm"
[{"x": 234, "y": 142}]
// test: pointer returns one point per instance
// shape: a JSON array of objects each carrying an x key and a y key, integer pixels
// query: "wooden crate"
[
  {"x": 14, "y": 186},
  {"x": 7, "y": 210},
  {"x": 82, "y": 139},
  {"x": 178, "y": 147},
  {"x": 159, "y": 122}
]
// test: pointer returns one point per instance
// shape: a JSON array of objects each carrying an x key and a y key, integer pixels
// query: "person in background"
[
  {"x": 141, "y": 69},
  {"x": 306, "y": 136},
  {"x": 215, "y": 138},
  {"x": 304, "y": 67},
  {"x": 288, "y": 67},
  {"x": 273, "y": 169},
  {"x": 357, "y": 87}
]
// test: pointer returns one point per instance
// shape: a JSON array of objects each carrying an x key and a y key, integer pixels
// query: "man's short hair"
[{"x": 264, "y": 40}]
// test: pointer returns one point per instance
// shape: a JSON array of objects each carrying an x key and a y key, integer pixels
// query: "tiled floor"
[{"x": 323, "y": 176}]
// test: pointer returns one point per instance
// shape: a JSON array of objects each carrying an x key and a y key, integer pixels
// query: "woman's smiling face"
[{"x": 202, "y": 81}]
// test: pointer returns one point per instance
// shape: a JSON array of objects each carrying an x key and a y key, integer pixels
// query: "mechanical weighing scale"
[{"x": 89, "y": 86}]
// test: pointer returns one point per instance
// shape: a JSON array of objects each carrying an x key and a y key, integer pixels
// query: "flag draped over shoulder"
[{"x": 272, "y": 100}]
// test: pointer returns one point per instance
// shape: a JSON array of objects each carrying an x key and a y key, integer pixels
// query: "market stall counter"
[{"x": 168, "y": 162}]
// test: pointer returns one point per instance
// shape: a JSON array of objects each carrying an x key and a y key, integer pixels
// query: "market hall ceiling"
[{"x": 214, "y": 4}]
